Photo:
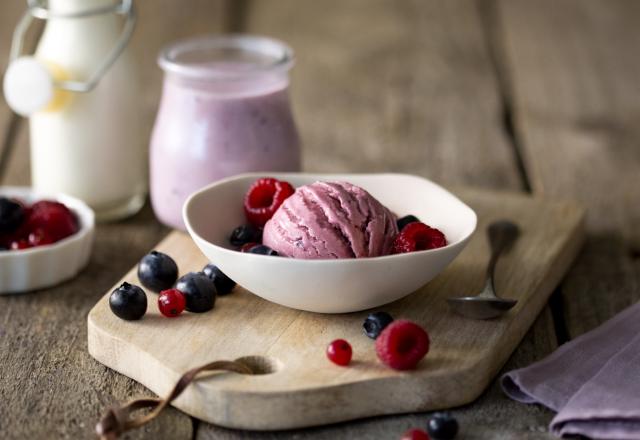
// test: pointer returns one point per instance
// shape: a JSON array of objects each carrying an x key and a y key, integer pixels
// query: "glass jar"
[{"x": 224, "y": 110}]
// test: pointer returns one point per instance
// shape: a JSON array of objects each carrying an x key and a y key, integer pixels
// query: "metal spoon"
[{"x": 486, "y": 305}]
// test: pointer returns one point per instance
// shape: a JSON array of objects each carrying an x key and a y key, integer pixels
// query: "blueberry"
[
  {"x": 404, "y": 221},
  {"x": 224, "y": 284},
  {"x": 263, "y": 250},
  {"x": 245, "y": 234},
  {"x": 11, "y": 215},
  {"x": 199, "y": 291},
  {"x": 128, "y": 302},
  {"x": 442, "y": 426},
  {"x": 157, "y": 271},
  {"x": 375, "y": 323}
]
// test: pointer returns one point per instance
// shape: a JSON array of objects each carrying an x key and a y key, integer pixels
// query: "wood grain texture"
[
  {"x": 49, "y": 385},
  {"x": 303, "y": 388},
  {"x": 575, "y": 96}
]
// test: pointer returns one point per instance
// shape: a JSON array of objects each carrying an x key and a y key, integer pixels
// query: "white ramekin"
[{"x": 44, "y": 266}]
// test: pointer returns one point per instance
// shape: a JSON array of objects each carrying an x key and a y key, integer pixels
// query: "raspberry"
[
  {"x": 263, "y": 199},
  {"x": 39, "y": 237},
  {"x": 402, "y": 344},
  {"x": 53, "y": 219},
  {"x": 415, "y": 434},
  {"x": 417, "y": 236},
  {"x": 339, "y": 352}
]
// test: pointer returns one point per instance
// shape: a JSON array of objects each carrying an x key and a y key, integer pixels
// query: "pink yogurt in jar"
[{"x": 224, "y": 110}]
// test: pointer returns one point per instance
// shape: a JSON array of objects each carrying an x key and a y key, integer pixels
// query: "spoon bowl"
[{"x": 487, "y": 305}]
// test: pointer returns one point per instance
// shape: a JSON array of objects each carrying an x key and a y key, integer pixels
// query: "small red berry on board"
[
  {"x": 415, "y": 434},
  {"x": 417, "y": 236},
  {"x": 263, "y": 199},
  {"x": 402, "y": 344},
  {"x": 339, "y": 352},
  {"x": 171, "y": 302}
]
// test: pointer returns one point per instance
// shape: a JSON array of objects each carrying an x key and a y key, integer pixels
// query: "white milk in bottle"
[{"x": 89, "y": 144}]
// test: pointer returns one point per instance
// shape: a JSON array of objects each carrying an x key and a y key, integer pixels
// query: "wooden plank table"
[{"x": 504, "y": 94}]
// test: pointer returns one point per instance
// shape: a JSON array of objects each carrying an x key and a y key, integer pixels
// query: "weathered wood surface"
[
  {"x": 407, "y": 86},
  {"x": 576, "y": 96}
]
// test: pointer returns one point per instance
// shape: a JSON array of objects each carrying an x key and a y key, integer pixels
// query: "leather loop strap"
[{"x": 117, "y": 420}]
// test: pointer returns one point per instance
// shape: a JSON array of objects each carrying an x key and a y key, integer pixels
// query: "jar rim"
[{"x": 274, "y": 56}]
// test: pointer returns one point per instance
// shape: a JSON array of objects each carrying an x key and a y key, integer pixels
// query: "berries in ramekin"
[
  {"x": 171, "y": 303},
  {"x": 418, "y": 237},
  {"x": 157, "y": 271},
  {"x": 263, "y": 198},
  {"x": 128, "y": 302},
  {"x": 402, "y": 344},
  {"x": 339, "y": 352},
  {"x": 11, "y": 215}
]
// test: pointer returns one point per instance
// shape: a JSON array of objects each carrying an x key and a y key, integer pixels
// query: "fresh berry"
[
  {"x": 40, "y": 237},
  {"x": 17, "y": 245},
  {"x": 198, "y": 290},
  {"x": 263, "y": 199},
  {"x": 171, "y": 303},
  {"x": 54, "y": 218},
  {"x": 244, "y": 234},
  {"x": 442, "y": 426},
  {"x": 404, "y": 221},
  {"x": 375, "y": 323},
  {"x": 11, "y": 215},
  {"x": 157, "y": 271},
  {"x": 402, "y": 344},
  {"x": 247, "y": 247},
  {"x": 128, "y": 302},
  {"x": 224, "y": 284},
  {"x": 339, "y": 352},
  {"x": 415, "y": 434},
  {"x": 263, "y": 250},
  {"x": 418, "y": 237}
]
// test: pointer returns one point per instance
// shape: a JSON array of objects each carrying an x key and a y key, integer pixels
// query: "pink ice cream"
[{"x": 331, "y": 220}]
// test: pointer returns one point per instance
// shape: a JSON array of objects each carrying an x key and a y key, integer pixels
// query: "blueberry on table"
[
  {"x": 157, "y": 271},
  {"x": 404, "y": 221},
  {"x": 375, "y": 323},
  {"x": 244, "y": 234},
  {"x": 11, "y": 215},
  {"x": 128, "y": 302},
  {"x": 263, "y": 250},
  {"x": 199, "y": 291},
  {"x": 442, "y": 426},
  {"x": 224, "y": 284}
]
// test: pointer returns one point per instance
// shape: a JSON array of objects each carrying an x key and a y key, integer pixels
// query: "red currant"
[
  {"x": 339, "y": 352},
  {"x": 171, "y": 302},
  {"x": 415, "y": 434}
]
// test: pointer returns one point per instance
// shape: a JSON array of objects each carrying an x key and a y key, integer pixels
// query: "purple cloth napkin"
[{"x": 593, "y": 382}]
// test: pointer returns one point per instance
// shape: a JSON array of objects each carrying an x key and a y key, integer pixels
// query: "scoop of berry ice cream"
[{"x": 331, "y": 220}]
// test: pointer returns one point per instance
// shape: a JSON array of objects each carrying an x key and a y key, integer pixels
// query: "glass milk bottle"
[
  {"x": 80, "y": 93},
  {"x": 224, "y": 110}
]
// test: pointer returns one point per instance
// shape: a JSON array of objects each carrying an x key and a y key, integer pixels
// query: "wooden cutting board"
[{"x": 300, "y": 386}]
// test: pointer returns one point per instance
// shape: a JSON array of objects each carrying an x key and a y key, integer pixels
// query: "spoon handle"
[{"x": 502, "y": 234}]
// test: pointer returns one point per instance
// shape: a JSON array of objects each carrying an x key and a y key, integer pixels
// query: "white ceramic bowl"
[
  {"x": 331, "y": 286},
  {"x": 45, "y": 266}
]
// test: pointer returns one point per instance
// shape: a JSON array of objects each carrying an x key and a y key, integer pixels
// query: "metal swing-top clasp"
[{"x": 29, "y": 84}]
